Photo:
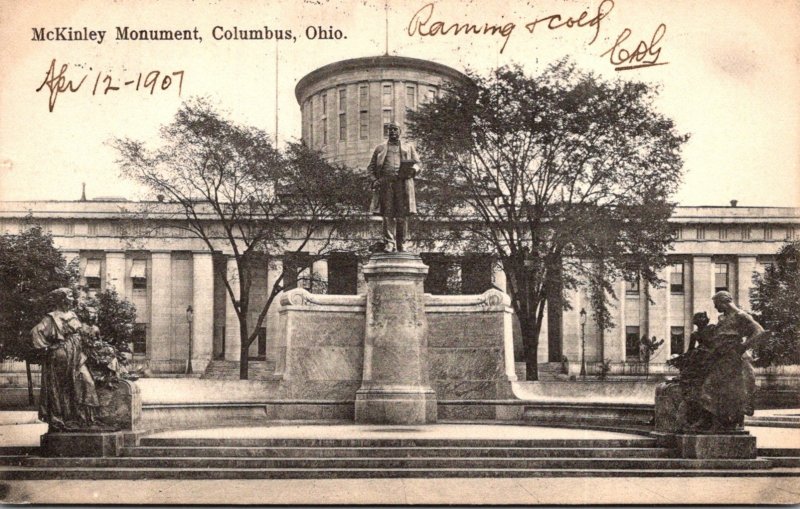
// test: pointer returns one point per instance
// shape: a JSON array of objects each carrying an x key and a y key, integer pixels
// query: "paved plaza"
[{"x": 617, "y": 490}]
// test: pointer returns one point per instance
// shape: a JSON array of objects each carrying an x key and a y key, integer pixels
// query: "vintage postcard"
[{"x": 399, "y": 252}]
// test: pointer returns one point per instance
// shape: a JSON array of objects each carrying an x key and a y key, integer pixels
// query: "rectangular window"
[
  {"x": 632, "y": 342},
  {"x": 93, "y": 228},
  {"x": 443, "y": 277},
  {"x": 140, "y": 338},
  {"x": 632, "y": 285},
  {"x": 310, "y": 123},
  {"x": 676, "y": 340},
  {"x": 791, "y": 233},
  {"x": 342, "y": 114},
  {"x": 677, "y": 232},
  {"x": 701, "y": 232},
  {"x": 363, "y": 125},
  {"x": 343, "y": 274},
  {"x": 411, "y": 97},
  {"x": 721, "y": 277},
  {"x": 138, "y": 274},
  {"x": 324, "y": 119},
  {"x": 387, "y": 99},
  {"x": 767, "y": 233},
  {"x": 676, "y": 278},
  {"x": 745, "y": 232},
  {"x": 363, "y": 112},
  {"x": 723, "y": 232},
  {"x": 476, "y": 273},
  {"x": 387, "y": 118},
  {"x": 92, "y": 274},
  {"x": 69, "y": 229}
]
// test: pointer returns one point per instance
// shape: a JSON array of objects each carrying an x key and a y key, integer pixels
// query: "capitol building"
[{"x": 344, "y": 106}]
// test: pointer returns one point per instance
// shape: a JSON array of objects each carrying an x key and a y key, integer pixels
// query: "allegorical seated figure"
[
  {"x": 717, "y": 378},
  {"x": 68, "y": 399}
]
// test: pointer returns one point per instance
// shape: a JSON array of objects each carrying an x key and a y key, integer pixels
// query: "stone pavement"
[{"x": 618, "y": 490}]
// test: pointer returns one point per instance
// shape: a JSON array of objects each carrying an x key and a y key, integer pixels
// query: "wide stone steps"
[
  {"x": 784, "y": 458},
  {"x": 17, "y": 473},
  {"x": 288, "y": 458},
  {"x": 397, "y": 452},
  {"x": 384, "y": 462},
  {"x": 391, "y": 442}
]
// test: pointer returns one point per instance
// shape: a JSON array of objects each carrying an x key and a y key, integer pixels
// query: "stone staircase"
[
  {"x": 297, "y": 458},
  {"x": 229, "y": 370}
]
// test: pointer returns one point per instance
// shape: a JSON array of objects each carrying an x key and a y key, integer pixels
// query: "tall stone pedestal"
[{"x": 395, "y": 388}]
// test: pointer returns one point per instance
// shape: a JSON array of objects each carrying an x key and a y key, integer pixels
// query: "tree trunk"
[
  {"x": 532, "y": 362},
  {"x": 244, "y": 351},
  {"x": 530, "y": 343},
  {"x": 31, "y": 400}
]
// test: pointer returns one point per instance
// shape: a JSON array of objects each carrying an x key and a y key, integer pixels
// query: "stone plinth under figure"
[{"x": 394, "y": 165}]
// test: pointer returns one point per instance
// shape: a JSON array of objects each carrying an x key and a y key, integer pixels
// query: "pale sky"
[{"x": 732, "y": 80}]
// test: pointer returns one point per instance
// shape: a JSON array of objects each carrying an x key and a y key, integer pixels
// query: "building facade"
[{"x": 163, "y": 270}]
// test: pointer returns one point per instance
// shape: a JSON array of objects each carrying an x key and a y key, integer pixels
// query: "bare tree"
[{"x": 235, "y": 190}]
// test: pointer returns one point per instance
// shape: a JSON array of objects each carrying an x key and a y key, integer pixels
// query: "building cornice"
[{"x": 371, "y": 64}]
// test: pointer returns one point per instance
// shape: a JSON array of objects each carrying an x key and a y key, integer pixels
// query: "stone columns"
[
  {"x": 203, "y": 306},
  {"x": 319, "y": 274},
  {"x": 395, "y": 388},
  {"x": 233, "y": 340},
  {"x": 115, "y": 271},
  {"x": 615, "y": 338},
  {"x": 161, "y": 305},
  {"x": 703, "y": 286},
  {"x": 745, "y": 267},
  {"x": 658, "y": 321}
]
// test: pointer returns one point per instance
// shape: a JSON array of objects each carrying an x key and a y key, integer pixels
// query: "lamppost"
[
  {"x": 583, "y": 343},
  {"x": 189, "y": 316}
]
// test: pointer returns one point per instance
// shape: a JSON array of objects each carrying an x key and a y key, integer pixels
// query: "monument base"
[
  {"x": 413, "y": 406},
  {"x": 83, "y": 444},
  {"x": 735, "y": 445}
]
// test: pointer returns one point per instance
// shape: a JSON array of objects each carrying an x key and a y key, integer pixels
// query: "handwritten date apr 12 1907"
[{"x": 56, "y": 82}]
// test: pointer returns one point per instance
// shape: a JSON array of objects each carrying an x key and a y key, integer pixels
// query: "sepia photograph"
[{"x": 399, "y": 252}]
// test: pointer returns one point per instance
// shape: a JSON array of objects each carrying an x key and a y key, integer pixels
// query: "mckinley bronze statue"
[
  {"x": 394, "y": 165},
  {"x": 716, "y": 386}
]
